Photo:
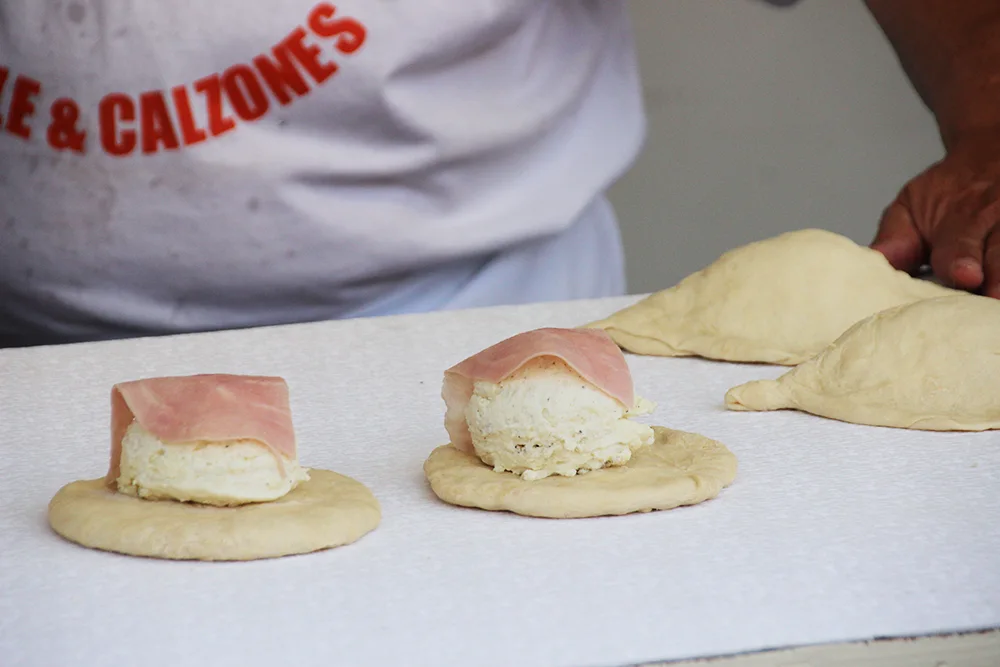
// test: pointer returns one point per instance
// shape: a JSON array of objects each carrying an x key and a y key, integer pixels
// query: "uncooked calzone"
[
  {"x": 777, "y": 301},
  {"x": 932, "y": 365}
]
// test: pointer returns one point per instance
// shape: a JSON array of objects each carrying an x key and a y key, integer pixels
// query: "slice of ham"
[
  {"x": 589, "y": 352},
  {"x": 204, "y": 408}
]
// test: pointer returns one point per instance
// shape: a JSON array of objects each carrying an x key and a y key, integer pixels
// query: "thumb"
[{"x": 899, "y": 239}]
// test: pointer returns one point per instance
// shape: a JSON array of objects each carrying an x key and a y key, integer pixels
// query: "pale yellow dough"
[
  {"x": 932, "y": 365},
  {"x": 328, "y": 510},
  {"x": 677, "y": 469},
  {"x": 777, "y": 301}
]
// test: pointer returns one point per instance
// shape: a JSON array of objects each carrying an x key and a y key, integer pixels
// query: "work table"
[{"x": 832, "y": 532}]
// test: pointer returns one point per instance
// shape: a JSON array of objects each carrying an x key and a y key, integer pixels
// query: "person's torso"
[{"x": 188, "y": 165}]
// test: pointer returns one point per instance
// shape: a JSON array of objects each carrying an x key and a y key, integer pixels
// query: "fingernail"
[{"x": 971, "y": 268}]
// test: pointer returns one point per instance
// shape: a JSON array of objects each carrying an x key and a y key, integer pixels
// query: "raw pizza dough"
[
  {"x": 677, "y": 469},
  {"x": 329, "y": 510},
  {"x": 777, "y": 301},
  {"x": 932, "y": 365}
]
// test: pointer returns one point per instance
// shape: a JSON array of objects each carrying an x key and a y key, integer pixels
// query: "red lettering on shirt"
[
  {"x": 63, "y": 134},
  {"x": 350, "y": 34},
  {"x": 4, "y": 73},
  {"x": 280, "y": 74},
  {"x": 245, "y": 93},
  {"x": 190, "y": 132},
  {"x": 156, "y": 127},
  {"x": 308, "y": 55},
  {"x": 218, "y": 122},
  {"x": 113, "y": 109},
  {"x": 22, "y": 106},
  {"x": 165, "y": 120}
]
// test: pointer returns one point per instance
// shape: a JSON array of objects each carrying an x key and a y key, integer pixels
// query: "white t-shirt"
[{"x": 189, "y": 165}]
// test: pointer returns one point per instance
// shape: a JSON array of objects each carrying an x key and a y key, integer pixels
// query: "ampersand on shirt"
[{"x": 63, "y": 133}]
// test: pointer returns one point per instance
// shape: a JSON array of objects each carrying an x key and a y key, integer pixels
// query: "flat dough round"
[
  {"x": 329, "y": 510},
  {"x": 933, "y": 365},
  {"x": 677, "y": 469}
]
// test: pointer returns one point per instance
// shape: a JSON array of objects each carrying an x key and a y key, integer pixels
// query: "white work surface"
[{"x": 831, "y": 532}]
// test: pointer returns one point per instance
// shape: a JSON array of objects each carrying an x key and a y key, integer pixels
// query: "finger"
[
  {"x": 899, "y": 240},
  {"x": 991, "y": 263},
  {"x": 957, "y": 254}
]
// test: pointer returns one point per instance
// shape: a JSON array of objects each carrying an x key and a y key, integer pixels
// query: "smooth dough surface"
[
  {"x": 329, "y": 510},
  {"x": 679, "y": 468},
  {"x": 932, "y": 365},
  {"x": 777, "y": 301}
]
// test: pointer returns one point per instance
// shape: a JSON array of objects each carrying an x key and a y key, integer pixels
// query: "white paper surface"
[{"x": 831, "y": 532}]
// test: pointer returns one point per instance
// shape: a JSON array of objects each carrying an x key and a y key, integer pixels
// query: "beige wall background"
[{"x": 763, "y": 120}]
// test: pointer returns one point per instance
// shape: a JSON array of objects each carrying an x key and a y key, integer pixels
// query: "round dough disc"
[
  {"x": 329, "y": 510},
  {"x": 677, "y": 469}
]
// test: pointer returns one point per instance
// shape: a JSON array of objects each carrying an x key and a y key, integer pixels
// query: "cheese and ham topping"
[
  {"x": 209, "y": 439},
  {"x": 546, "y": 402}
]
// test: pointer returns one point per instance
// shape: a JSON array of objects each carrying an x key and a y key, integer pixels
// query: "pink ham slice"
[
  {"x": 204, "y": 408},
  {"x": 590, "y": 352}
]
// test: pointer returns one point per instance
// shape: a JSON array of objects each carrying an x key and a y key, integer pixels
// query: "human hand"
[{"x": 949, "y": 216}]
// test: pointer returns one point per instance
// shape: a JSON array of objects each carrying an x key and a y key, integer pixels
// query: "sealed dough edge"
[
  {"x": 759, "y": 396},
  {"x": 617, "y": 325},
  {"x": 729, "y": 349},
  {"x": 329, "y": 510},
  {"x": 751, "y": 306},
  {"x": 931, "y": 365},
  {"x": 771, "y": 395},
  {"x": 678, "y": 469}
]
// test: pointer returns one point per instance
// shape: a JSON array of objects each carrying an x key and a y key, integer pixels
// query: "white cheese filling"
[
  {"x": 547, "y": 420},
  {"x": 212, "y": 473}
]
